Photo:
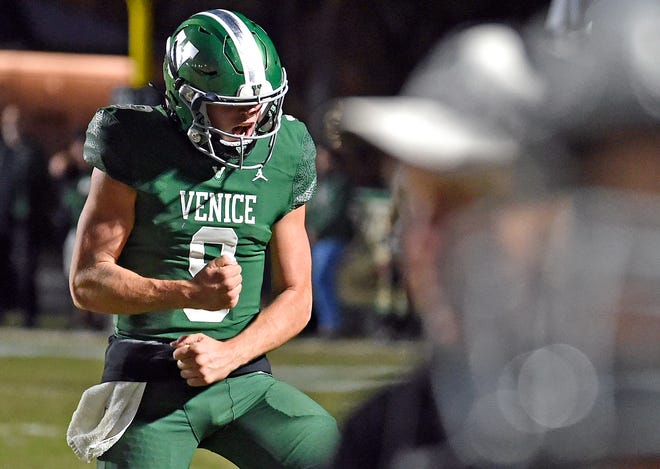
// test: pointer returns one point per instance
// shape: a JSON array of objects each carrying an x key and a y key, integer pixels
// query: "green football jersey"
[{"x": 190, "y": 209}]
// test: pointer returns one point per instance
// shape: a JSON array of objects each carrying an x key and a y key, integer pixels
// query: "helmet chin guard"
[{"x": 221, "y": 57}]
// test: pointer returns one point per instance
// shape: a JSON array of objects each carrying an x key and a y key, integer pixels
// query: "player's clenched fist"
[
  {"x": 201, "y": 359},
  {"x": 218, "y": 285}
]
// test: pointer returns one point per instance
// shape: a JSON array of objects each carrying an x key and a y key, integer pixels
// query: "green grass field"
[{"x": 44, "y": 373}]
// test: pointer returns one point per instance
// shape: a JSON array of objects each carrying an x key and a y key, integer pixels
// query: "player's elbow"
[
  {"x": 299, "y": 302},
  {"x": 78, "y": 296},
  {"x": 306, "y": 307},
  {"x": 81, "y": 293}
]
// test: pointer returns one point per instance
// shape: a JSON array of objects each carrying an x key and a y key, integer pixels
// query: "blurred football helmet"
[{"x": 222, "y": 57}]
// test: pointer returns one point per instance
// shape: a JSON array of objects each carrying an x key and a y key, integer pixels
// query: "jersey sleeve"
[
  {"x": 106, "y": 146},
  {"x": 304, "y": 182}
]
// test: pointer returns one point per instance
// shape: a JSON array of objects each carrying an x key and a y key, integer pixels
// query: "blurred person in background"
[
  {"x": 450, "y": 161},
  {"x": 543, "y": 344},
  {"x": 330, "y": 229},
  {"x": 25, "y": 203},
  {"x": 7, "y": 276}
]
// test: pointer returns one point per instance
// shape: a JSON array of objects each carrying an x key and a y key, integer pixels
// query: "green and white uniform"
[{"x": 189, "y": 210}]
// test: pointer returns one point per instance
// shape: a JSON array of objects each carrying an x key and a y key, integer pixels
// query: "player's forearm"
[
  {"x": 109, "y": 288},
  {"x": 275, "y": 325}
]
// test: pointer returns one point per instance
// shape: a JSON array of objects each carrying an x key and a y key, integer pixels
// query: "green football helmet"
[{"x": 222, "y": 57}]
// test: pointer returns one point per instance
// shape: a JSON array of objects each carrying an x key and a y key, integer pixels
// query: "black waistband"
[{"x": 139, "y": 360}]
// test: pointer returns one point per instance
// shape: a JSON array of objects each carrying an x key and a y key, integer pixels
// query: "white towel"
[{"x": 104, "y": 413}]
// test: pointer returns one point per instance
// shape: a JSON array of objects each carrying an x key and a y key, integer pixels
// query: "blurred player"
[
  {"x": 542, "y": 313},
  {"x": 184, "y": 200},
  {"x": 450, "y": 161}
]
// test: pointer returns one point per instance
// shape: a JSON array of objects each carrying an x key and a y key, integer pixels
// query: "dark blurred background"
[
  {"x": 330, "y": 48},
  {"x": 60, "y": 60}
]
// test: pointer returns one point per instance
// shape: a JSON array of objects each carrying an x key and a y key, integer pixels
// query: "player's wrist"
[
  {"x": 175, "y": 294},
  {"x": 236, "y": 353}
]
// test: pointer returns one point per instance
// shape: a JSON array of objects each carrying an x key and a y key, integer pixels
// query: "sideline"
[
  {"x": 354, "y": 368},
  {"x": 19, "y": 342}
]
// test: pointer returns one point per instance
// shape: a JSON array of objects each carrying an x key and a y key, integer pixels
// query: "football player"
[{"x": 185, "y": 197}]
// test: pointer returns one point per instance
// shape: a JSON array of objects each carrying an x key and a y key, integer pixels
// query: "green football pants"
[{"x": 253, "y": 420}]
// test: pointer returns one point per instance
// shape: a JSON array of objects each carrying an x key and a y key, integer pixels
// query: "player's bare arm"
[
  {"x": 203, "y": 360},
  {"x": 98, "y": 283}
]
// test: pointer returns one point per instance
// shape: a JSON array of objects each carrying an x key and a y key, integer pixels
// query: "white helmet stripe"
[{"x": 247, "y": 47}]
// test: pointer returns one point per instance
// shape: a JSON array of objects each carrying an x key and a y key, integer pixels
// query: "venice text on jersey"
[{"x": 218, "y": 207}]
